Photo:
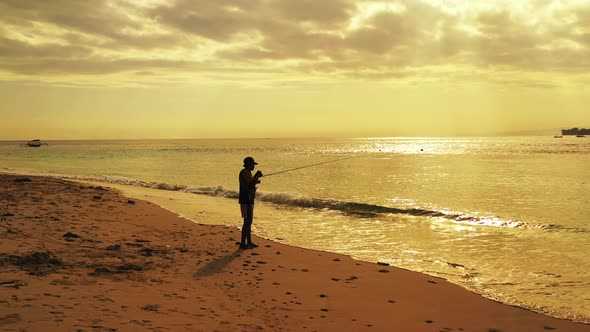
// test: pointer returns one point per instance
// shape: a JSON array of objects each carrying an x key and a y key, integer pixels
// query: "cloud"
[
  {"x": 91, "y": 66},
  {"x": 338, "y": 38},
  {"x": 216, "y": 20},
  {"x": 93, "y": 17},
  {"x": 18, "y": 50},
  {"x": 333, "y": 13},
  {"x": 91, "y": 23}
]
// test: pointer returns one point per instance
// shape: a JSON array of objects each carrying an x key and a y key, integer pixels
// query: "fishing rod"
[{"x": 307, "y": 166}]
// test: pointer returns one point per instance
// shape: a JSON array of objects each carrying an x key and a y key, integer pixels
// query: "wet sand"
[{"x": 80, "y": 257}]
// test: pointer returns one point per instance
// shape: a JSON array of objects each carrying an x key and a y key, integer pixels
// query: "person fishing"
[{"x": 246, "y": 199}]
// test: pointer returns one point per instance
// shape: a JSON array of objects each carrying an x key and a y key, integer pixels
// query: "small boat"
[
  {"x": 580, "y": 136},
  {"x": 558, "y": 136},
  {"x": 35, "y": 143}
]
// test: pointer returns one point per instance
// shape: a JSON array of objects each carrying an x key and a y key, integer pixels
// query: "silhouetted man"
[{"x": 247, "y": 193}]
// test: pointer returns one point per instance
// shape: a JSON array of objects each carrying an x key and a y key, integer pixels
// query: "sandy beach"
[{"x": 80, "y": 257}]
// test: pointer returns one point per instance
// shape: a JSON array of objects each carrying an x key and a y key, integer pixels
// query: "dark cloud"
[
  {"x": 84, "y": 19},
  {"x": 217, "y": 20},
  {"x": 93, "y": 17},
  {"x": 224, "y": 19},
  {"x": 332, "y": 13},
  {"x": 384, "y": 33}
]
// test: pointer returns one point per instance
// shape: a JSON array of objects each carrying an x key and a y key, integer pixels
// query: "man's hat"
[{"x": 249, "y": 160}]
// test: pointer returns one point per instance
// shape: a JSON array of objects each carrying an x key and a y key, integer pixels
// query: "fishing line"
[{"x": 307, "y": 166}]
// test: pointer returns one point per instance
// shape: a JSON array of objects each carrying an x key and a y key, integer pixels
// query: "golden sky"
[{"x": 291, "y": 68}]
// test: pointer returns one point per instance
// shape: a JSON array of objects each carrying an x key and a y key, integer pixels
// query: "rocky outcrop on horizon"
[{"x": 575, "y": 131}]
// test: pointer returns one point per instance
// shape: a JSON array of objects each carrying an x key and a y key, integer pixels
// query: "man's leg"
[
  {"x": 249, "y": 234},
  {"x": 246, "y": 226},
  {"x": 245, "y": 233}
]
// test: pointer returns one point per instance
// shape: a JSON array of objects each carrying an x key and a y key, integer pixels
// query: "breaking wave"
[{"x": 357, "y": 209}]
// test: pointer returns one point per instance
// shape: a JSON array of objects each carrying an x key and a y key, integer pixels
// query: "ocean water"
[{"x": 506, "y": 217}]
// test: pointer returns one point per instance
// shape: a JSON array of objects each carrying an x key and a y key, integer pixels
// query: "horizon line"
[{"x": 279, "y": 138}]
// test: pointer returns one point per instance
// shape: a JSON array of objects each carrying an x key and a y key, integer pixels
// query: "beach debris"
[
  {"x": 97, "y": 197},
  {"x": 382, "y": 264},
  {"x": 10, "y": 319},
  {"x": 549, "y": 328},
  {"x": 429, "y": 321},
  {"x": 142, "y": 241},
  {"x": 116, "y": 247},
  {"x": 97, "y": 188},
  {"x": 37, "y": 263},
  {"x": 100, "y": 270},
  {"x": 125, "y": 268},
  {"x": 432, "y": 282},
  {"x": 21, "y": 180},
  {"x": 384, "y": 271},
  {"x": 151, "y": 307},
  {"x": 129, "y": 201},
  {"x": 69, "y": 236},
  {"x": 57, "y": 312},
  {"x": 103, "y": 298},
  {"x": 147, "y": 252},
  {"x": 16, "y": 284},
  {"x": 456, "y": 265},
  {"x": 130, "y": 267}
]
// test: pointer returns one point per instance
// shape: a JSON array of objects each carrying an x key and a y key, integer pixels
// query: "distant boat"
[
  {"x": 34, "y": 143},
  {"x": 580, "y": 136},
  {"x": 557, "y": 136}
]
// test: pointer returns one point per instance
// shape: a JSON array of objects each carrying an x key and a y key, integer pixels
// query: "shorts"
[{"x": 247, "y": 211}]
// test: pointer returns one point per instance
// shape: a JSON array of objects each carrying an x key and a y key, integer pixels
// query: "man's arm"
[
  {"x": 251, "y": 180},
  {"x": 257, "y": 176}
]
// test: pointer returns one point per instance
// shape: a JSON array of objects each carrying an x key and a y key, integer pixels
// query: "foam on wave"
[{"x": 352, "y": 208}]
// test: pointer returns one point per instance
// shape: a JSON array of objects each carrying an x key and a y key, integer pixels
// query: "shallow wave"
[
  {"x": 363, "y": 210},
  {"x": 371, "y": 210}
]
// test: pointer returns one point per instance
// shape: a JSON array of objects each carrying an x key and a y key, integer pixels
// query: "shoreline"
[
  {"x": 209, "y": 208},
  {"x": 136, "y": 266}
]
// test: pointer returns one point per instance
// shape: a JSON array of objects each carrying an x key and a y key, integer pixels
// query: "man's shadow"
[{"x": 216, "y": 265}]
